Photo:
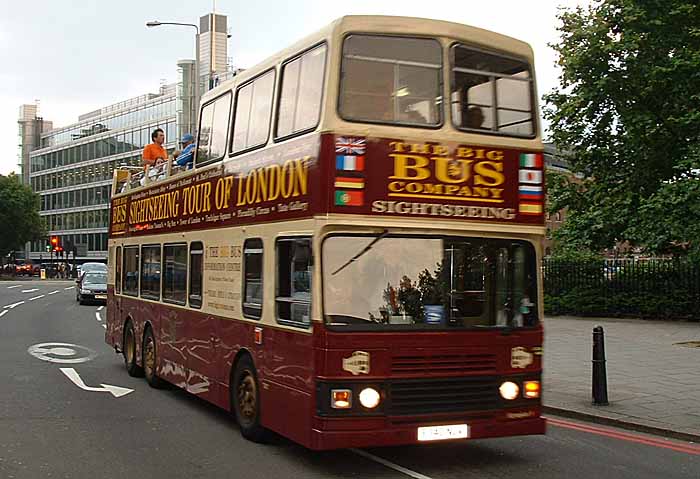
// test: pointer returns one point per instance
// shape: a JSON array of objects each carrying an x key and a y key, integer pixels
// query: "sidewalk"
[{"x": 653, "y": 383}]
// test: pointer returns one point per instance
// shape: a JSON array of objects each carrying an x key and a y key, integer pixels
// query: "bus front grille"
[
  {"x": 442, "y": 395},
  {"x": 443, "y": 364}
]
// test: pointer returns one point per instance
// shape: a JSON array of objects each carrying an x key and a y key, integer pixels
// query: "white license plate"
[
  {"x": 100, "y": 296},
  {"x": 440, "y": 433}
]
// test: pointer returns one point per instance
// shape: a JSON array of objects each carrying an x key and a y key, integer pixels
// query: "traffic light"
[{"x": 54, "y": 243}]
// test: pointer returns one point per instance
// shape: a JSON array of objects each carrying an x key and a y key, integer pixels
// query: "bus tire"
[
  {"x": 150, "y": 360},
  {"x": 129, "y": 351},
  {"x": 245, "y": 400}
]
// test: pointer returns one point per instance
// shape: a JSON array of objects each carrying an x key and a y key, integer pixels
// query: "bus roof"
[{"x": 385, "y": 24}]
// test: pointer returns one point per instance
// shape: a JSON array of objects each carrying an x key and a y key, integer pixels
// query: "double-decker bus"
[{"x": 353, "y": 259}]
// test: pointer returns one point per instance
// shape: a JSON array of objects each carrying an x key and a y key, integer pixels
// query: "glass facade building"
[{"x": 72, "y": 169}]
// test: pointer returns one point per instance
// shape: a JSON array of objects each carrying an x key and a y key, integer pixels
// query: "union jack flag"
[{"x": 352, "y": 146}]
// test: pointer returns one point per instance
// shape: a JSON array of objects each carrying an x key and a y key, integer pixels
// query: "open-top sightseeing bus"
[{"x": 353, "y": 259}]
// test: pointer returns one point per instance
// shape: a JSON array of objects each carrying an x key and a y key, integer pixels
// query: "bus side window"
[
  {"x": 175, "y": 273},
  {"x": 251, "y": 126},
  {"x": 294, "y": 266},
  {"x": 302, "y": 89},
  {"x": 196, "y": 264},
  {"x": 213, "y": 129},
  {"x": 252, "y": 278},
  {"x": 150, "y": 272},
  {"x": 130, "y": 285},
  {"x": 118, "y": 270}
]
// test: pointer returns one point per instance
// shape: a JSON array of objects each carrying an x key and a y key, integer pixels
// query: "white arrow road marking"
[
  {"x": 97, "y": 316},
  {"x": 100, "y": 308},
  {"x": 54, "y": 292},
  {"x": 389, "y": 464},
  {"x": 13, "y": 305},
  {"x": 104, "y": 325},
  {"x": 30, "y": 290},
  {"x": 69, "y": 287},
  {"x": 15, "y": 286},
  {"x": 37, "y": 297},
  {"x": 5, "y": 311},
  {"x": 116, "y": 391}
]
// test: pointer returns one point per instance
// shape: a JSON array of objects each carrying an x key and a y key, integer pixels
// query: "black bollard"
[{"x": 600, "y": 376}]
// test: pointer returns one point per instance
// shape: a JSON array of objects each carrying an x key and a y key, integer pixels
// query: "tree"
[
  {"x": 19, "y": 215},
  {"x": 626, "y": 116}
]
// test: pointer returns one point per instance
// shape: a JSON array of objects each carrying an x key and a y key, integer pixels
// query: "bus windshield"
[
  {"x": 393, "y": 80},
  {"x": 418, "y": 282}
]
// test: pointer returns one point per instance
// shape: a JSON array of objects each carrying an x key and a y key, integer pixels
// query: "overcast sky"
[{"x": 76, "y": 56}]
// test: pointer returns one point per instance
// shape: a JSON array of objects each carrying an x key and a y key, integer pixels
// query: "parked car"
[{"x": 92, "y": 286}]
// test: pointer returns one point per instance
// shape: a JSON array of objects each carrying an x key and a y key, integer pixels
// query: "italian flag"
[{"x": 531, "y": 160}]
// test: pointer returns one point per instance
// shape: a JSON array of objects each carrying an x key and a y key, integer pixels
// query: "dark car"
[{"x": 91, "y": 287}]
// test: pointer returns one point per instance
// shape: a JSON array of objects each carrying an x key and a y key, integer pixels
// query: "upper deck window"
[
  {"x": 491, "y": 93},
  {"x": 302, "y": 89},
  {"x": 253, "y": 110},
  {"x": 395, "y": 80},
  {"x": 213, "y": 127}
]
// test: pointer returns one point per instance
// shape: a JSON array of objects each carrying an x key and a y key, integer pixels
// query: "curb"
[{"x": 629, "y": 425}]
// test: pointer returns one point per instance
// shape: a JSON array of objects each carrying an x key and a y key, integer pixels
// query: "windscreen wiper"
[{"x": 361, "y": 252}]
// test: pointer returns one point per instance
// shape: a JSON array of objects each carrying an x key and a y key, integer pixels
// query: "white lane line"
[
  {"x": 15, "y": 286},
  {"x": 37, "y": 297},
  {"x": 54, "y": 292},
  {"x": 5, "y": 311},
  {"x": 69, "y": 287},
  {"x": 97, "y": 316},
  {"x": 104, "y": 326},
  {"x": 391, "y": 465},
  {"x": 100, "y": 308},
  {"x": 30, "y": 290},
  {"x": 13, "y": 305}
]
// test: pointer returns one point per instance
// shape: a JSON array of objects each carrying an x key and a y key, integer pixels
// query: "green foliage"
[
  {"x": 19, "y": 215},
  {"x": 626, "y": 115}
]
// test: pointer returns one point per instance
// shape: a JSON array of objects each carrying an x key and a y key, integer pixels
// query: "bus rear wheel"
[
  {"x": 245, "y": 399},
  {"x": 150, "y": 360},
  {"x": 129, "y": 351}
]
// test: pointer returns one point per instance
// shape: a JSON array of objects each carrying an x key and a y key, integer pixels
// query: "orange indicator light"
[
  {"x": 341, "y": 398},
  {"x": 531, "y": 389}
]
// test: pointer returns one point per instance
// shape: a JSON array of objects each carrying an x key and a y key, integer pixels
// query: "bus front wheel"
[
  {"x": 245, "y": 399},
  {"x": 129, "y": 351}
]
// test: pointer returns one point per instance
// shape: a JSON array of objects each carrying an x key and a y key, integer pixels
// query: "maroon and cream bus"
[{"x": 352, "y": 261}]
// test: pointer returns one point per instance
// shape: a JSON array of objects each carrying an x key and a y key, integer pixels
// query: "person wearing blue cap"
[{"x": 186, "y": 156}]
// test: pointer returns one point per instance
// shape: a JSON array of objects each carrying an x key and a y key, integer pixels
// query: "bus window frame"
[
  {"x": 533, "y": 93},
  {"x": 118, "y": 270},
  {"x": 189, "y": 274},
  {"x": 196, "y": 163},
  {"x": 290, "y": 299},
  {"x": 246, "y": 307},
  {"x": 278, "y": 99},
  {"x": 162, "y": 274},
  {"x": 138, "y": 270},
  {"x": 232, "y": 119},
  {"x": 338, "y": 105}
]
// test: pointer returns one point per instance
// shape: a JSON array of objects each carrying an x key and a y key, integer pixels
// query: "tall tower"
[
  {"x": 31, "y": 126},
  {"x": 213, "y": 48}
]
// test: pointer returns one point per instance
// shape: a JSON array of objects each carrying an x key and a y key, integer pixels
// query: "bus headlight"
[
  {"x": 531, "y": 389},
  {"x": 509, "y": 390},
  {"x": 341, "y": 398},
  {"x": 369, "y": 398}
]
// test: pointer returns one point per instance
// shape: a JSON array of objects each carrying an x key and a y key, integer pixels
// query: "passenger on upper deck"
[
  {"x": 186, "y": 156},
  {"x": 154, "y": 153}
]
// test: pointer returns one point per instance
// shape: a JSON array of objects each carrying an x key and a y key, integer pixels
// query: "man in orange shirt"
[{"x": 155, "y": 154}]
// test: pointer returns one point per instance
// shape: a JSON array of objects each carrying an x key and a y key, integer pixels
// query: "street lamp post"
[{"x": 194, "y": 111}]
